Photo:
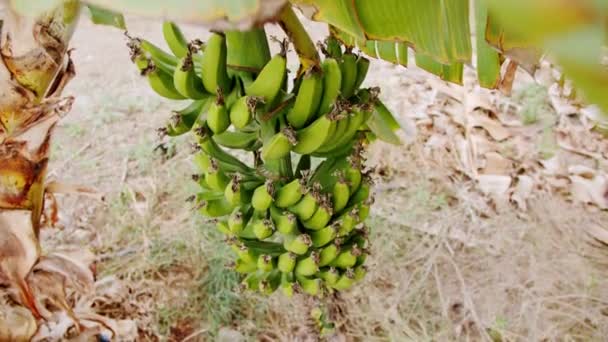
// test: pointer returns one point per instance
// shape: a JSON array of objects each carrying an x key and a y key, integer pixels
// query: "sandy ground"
[{"x": 514, "y": 276}]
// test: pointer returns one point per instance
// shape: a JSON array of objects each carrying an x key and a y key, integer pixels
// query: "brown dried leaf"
[
  {"x": 73, "y": 265},
  {"x": 522, "y": 191},
  {"x": 494, "y": 185},
  {"x": 593, "y": 190},
  {"x": 493, "y": 127},
  {"x": 16, "y": 324},
  {"x": 496, "y": 164}
]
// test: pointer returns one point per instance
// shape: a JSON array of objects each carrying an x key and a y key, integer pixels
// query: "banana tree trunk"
[{"x": 34, "y": 70}]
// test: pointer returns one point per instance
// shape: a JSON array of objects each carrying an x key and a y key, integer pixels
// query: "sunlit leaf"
[
  {"x": 450, "y": 73},
  {"x": 106, "y": 17},
  {"x": 488, "y": 59}
]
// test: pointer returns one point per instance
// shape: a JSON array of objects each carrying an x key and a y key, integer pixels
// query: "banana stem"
[{"x": 306, "y": 49}]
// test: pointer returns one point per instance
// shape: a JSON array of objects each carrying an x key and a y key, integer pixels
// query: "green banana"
[
  {"x": 307, "y": 100},
  {"x": 265, "y": 263},
  {"x": 332, "y": 82},
  {"x": 270, "y": 283},
  {"x": 285, "y": 222},
  {"x": 214, "y": 72},
  {"x": 234, "y": 192},
  {"x": 347, "y": 222},
  {"x": 306, "y": 206},
  {"x": 218, "y": 118},
  {"x": 311, "y": 286},
  {"x": 236, "y": 222},
  {"x": 162, "y": 59},
  {"x": 328, "y": 254},
  {"x": 308, "y": 265},
  {"x": 279, "y": 145},
  {"x": 330, "y": 276},
  {"x": 222, "y": 227},
  {"x": 360, "y": 272},
  {"x": 252, "y": 281},
  {"x": 184, "y": 119},
  {"x": 364, "y": 209},
  {"x": 241, "y": 112},
  {"x": 348, "y": 66},
  {"x": 353, "y": 178},
  {"x": 288, "y": 285},
  {"x": 186, "y": 82},
  {"x": 202, "y": 161},
  {"x": 333, "y": 48},
  {"x": 340, "y": 194},
  {"x": 262, "y": 196},
  {"x": 320, "y": 218},
  {"x": 297, "y": 244},
  {"x": 175, "y": 39},
  {"x": 263, "y": 229},
  {"x": 323, "y": 236},
  {"x": 269, "y": 82},
  {"x": 287, "y": 262},
  {"x": 225, "y": 161},
  {"x": 309, "y": 139},
  {"x": 162, "y": 84},
  {"x": 342, "y": 125},
  {"x": 361, "y": 194},
  {"x": 238, "y": 140},
  {"x": 215, "y": 178},
  {"x": 243, "y": 266},
  {"x": 362, "y": 69},
  {"x": 346, "y": 280},
  {"x": 215, "y": 208},
  {"x": 289, "y": 194},
  {"x": 347, "y": 257}
]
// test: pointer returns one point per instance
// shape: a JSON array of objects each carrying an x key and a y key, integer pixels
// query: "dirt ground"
[{"x": 441, "y": 269}]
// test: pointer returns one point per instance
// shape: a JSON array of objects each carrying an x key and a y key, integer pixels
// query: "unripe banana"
[
  {"x": 232, "y": 192},
  {"x": 308, "y": 266},
  {"x": 202, "y": 161},
  {"x": 330, "y": 276},
  {"x": 285, "y": 222},
  {"x": 342, "y": 125},
  {"x": 186, "y": 81},
  {"x": 328, "y": 254},
  {"x": 237, "y": 221},
  {"x": 309, "y": 139},
  {"x": 347, "y": 257},
  {"x": 362, "y": 69},
  {"x": 333, "y": 48},
  {"x": 262, "y": 196},
  {"x": 346, "y": 280},
  {"x": 340, "y": 194},
  {"x": 297, "y": 244},
  {"x": 263, "y": 229},
  {"x": 348, "y": 66},
  {"x": 332, "y": 82},
  {"x": 214, "y": 72},
  {"x": 311, "y": 286},
  {"x": 287, "y": 262},
  {"x": 347, "y": 222},
  {"x": 245, "y": 266},
  {"x": 288, "y": 285},
  {"x": 162, "y": 84},
  {"x": 215, "y": 178},
  {"x": 241, "y": 111},
  {"x": 360, "y": 272},
  {"x": 265, "y": 263},
  {"x": 353, "y": 177},
  {"x": 270, "y": 282},
  {"x": 175, "y": 39},
  {"x": 289, "y": 194},
  {"x": 248, "y": 141},
  {"x": 323, "y": 236},
  {"x": 183, "y": 120},
  {"x": 252, "y": 281},
  {"x": 307, "y": 100},
  {"x": 218, "y": 118},
  {"x": 269, "y": 82},
  {"x": 279, "y": 145},
  {"x": 320, "y": 218},
  {"x": 215, "y": 208},
  {"x": 306, "y": 206},
  {"x": 364, "y": 209},
  {"x": 361, "y": 194},
  {"x": 166, "y": 61}
]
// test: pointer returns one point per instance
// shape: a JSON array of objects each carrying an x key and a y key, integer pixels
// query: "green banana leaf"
[{"x": 103, "y": 16}]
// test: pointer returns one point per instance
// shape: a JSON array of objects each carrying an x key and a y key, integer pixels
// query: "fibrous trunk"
[{"x": 34, "y": 70}]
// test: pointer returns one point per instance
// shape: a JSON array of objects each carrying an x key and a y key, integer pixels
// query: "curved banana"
[
  {"x": 186, "y": 81},
  {"x": 175, "y": 39},
  {"x": 202, "y": 161},
  {"x": 298, "y": 244},
  {"x": 331, "y": 142},
  {"x": 360, "y": 272},
  {"x": 263, "y": 229},
  {"x": 347, "y": 257},
  {"x": 164, "y": 60},
  {"x": 309, "y": 139},
  {"x": 288, "y": 284},
  {"x": 306, "y": 206},
  {"x": 218, "y": 118},
  {"x": 289, "y": 194},
  {"x": 308, "y": 266},
  {"x": 320, "y": 218},
  {"x": 330, "y": 276},
  {"x": 162, "y": 84},
  {"x": 348, "y": 66},
  {"x": 311, "y": 286},
  {"x": 215, "y": 208},
  {"x": 184, "y": 119},
  {"x": 362, "y": 69},
  {"x": 323, "y": 236},
  {"x": 307, "y": 100},
  {"x": 287, "y": 262},
  {"x": 285, "y": 222},
  {"x": 328, "y": 254},
  {"x": 332, "y": 85},
  {"x": 248, "y": 141},
  {"x": 346, "y": 280},
  {"x": 262, "y": 197},
  {"x": 241, "y": 112},
  {"x": 347, "y": 221},
  {"x": 340, "y": 194},
  {"x": 265, "y": 263},
  {"x": 269, "y": 82},
  {"x": 214, "y": 72},
  {"x": 279, "y": 145}
]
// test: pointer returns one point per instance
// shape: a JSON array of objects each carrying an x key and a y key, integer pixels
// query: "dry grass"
[{"x": 441, "y": 268}]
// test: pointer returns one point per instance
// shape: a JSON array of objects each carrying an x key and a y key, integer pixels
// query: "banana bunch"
[{"x": 295, "y": 216}]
